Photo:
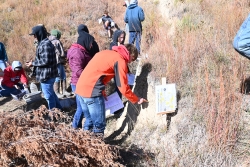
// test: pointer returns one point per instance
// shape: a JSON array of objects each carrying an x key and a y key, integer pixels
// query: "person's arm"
[
  {"x": 121, "y": 71},
  {"x": 126, "y": 16},
  {"x": 77, "y": 63},
  {"x": 8, "y": 80},
  {"x": 141, "y": 15},
  {"x": 60, "y": 48},
  {"x": 23, "y": 78},
  {"x": 2, "y": 48}
]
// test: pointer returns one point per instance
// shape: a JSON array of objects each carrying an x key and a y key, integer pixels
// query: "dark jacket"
[
  {"x": 134, "y": 16},
  {"x": 45, "y": 64},
  {"x": 116, "y": 35},
  {"x": 3, "y": 55},
  {"x": 82, "y": 30}
]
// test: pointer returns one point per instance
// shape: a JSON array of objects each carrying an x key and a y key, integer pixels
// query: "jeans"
[
  {"x": 61, "y": 73},
  {"x": 2, "y": 65},
  {"x": 49, "y": 94},
  {"x": 7, "y": 91},
  {"x": 94, "y": 112},
  {"x": 77, "y": 120},
  {"x": 135, "y": 37}
]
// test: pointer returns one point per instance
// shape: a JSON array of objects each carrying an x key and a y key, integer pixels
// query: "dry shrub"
[{"x": 41, "y": 137}]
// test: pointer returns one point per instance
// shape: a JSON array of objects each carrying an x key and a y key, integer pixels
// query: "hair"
[
  {"x": 133, "y": 52},
  {"x": 106, "y": 12}
]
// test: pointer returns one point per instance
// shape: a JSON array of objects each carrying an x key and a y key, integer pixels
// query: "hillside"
[{"x": 187, "y": 41}]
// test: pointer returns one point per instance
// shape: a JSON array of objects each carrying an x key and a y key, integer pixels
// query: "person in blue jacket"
[
  {"x": 3, "y": 57},
  {"x": 134, "y": 16}
]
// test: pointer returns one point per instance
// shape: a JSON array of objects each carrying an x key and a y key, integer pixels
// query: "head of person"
[
  {"x": 105, "y": 13},
  {"x": 119, "y": 36},
  {"x": 133, "y": 2},
  {"x": 56, "y": 33},
  {"x": 39, "y": 32},
  {"x": 133, "y": 52},
  {"x": 82, "y": 28},
  {"x": 85, "y": 40},
  {"x": 16, "y": 66}
]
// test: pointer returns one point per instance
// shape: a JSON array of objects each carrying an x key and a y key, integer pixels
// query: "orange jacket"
[{"x": 104, "y": 66}]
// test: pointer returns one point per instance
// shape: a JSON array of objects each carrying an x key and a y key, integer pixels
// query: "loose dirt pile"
[{"x": 43, "y": 138}]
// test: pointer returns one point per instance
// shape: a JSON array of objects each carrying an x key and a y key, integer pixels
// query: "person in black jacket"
[{"x": 118, "y": 38}]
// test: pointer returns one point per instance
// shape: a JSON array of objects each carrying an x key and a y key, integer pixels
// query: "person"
[
  {"x": 134, "y": 16},
  {"x": 14, "y": 80},
  {"x": 81, "y": 32},
  {"x": 60, "y": 82},
  {"x": 45, "y": 66},
  {"x": 126, "y": 4},
  {"x": 3, "y": 57},
  {"x": 78, "y": 56},
  {"x": 118, "y": 39},
  {"x": 108, "y": 23},
  {"x": 90, "y": 87}
]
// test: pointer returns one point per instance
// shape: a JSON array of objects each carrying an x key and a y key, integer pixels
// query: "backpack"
[
  {"x": 60, "y": 55},
  {"x": 241, "y": 41}
]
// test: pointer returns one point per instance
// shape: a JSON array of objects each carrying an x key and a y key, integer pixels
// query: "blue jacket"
[
  {"x": 3, "y": 55},
  {"x": 134, "y": 16},
  {"x": 241, "y": 41}
]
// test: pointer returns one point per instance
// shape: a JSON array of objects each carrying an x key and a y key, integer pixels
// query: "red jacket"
[
  {"x": 104, "y": 66},
  {"x": 11, "y": 78}
]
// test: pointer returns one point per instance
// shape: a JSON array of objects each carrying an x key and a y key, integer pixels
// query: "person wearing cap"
[
  {"x": 45, "y": 66},
  {"x": 90, "y": 87},
  {"x": 60, "y": 82},
  {"x": 3, "y": 57},
  {"x": 14, "y": 80},
  {"x": 134, "y": 16}
]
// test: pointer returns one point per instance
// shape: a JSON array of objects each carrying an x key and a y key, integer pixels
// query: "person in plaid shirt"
[{"x": 45, "y": 65}]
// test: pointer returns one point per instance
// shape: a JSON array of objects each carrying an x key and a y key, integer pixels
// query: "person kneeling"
[{"x": 13, "y": 75}]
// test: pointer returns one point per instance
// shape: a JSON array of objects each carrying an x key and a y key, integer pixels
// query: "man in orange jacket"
[{"x": 90, "y": 87}]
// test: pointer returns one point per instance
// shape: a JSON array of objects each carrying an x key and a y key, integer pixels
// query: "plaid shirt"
[{"x": 45, "y": 64}]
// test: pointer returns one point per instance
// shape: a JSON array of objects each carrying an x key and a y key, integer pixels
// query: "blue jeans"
[
  {"x": 77, "y": 120},
  {"x": 61, "y": 73},
  {"x": 94, "y": 112},
  {"x": 49, "y": 94},
  {"x": 135, "y": 37},
  {"x": 7, "y": 91},
  {"x": 2, "y": 65}
]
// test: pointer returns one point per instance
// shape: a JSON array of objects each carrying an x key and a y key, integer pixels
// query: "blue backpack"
[{"x": 241, "y": 41}]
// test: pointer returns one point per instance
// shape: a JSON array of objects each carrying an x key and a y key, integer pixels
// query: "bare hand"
[
  {"x": 142, "y": 101},
  {"x": 29, "y": 64},
  {"x": 16, "y": 86}
]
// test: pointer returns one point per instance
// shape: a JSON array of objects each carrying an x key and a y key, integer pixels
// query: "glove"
[{"x": 112, "y": 24}]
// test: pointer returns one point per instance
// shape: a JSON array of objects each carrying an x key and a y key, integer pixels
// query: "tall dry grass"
[{"x": 18, "y": 17}]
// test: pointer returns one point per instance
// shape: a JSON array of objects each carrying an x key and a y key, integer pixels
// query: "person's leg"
[
  {"x": 96, "y": 108},
  {"x": 88, "y": 124},
  {"x": 132, "y": 36},
  {"x": 7, "y": 91},
  {"x": 49, "y": 94},
  {"x": 77, "y": 120},
  {"x": 57, "y": 83},
  {"x": 63, "y": 81},
  {"x": 138, "y": 42}
]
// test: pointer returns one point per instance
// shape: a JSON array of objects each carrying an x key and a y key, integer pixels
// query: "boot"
[
  {"x": 56, "y": 89},
  {"x": 64, "y": 92}
]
